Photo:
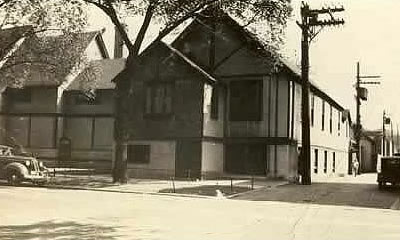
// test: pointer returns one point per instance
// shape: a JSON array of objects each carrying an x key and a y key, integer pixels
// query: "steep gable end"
[{"x": 221, "y": 48}]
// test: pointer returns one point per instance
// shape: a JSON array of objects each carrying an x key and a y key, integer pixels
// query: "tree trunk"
[{"x": 122, "y": 114}]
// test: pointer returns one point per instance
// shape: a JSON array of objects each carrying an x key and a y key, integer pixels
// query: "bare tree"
[{"x": 172, "y": 13}]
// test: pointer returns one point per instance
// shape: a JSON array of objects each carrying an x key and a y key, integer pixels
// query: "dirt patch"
[{"x": 207, "y": 190}]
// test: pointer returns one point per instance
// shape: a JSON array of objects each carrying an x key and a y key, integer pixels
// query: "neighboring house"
[
  {"x": 46, "y": 109},
  {"x": 368, "y": 153},
  {"x": 210, "y": 104},
  {"x": 371, "y": 144}
]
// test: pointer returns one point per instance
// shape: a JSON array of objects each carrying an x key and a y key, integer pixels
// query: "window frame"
[
  {"x": 315, "y": 161},
  {"x": 152, "y": 86},
  {"x": 214, "y": 103},
  {"x": 330, "y": 119},
  {"x": 323, "y": 116},
  {"x": 312, "y": 109},
  {"x": 146, "y": 150},
  {"x": 339, "y": 120}
]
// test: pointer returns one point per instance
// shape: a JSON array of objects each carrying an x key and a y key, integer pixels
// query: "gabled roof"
[
  {"x": 10, "y": 36},
  {"x": 255, "y": 43},
  {"x": 191, "y": 63},
  {"x": 103, "y": 70},
  {"x": 39, "y": 50}
]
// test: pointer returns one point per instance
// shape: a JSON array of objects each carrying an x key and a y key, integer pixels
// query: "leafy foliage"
[
  {"x": 268, "y": 15},
  {"x": 37, "y": 38}
]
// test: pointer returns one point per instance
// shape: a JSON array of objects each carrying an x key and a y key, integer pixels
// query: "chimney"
[{"x": 118, "y": 44}]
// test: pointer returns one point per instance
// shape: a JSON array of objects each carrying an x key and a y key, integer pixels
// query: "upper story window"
[
  {"x": 312, "y": 109},
  {"x": 330, "y": 119},
  {"x": 211, "y": 101},
  {"x": 23, "y": 95},
  {"x": 214, "y": 103},
  {"x": 245, "y": 100},
  {"x": 323, "y": 116},
  {"x": 339, "y": 120},
  {"x": 159, "y": 98}
]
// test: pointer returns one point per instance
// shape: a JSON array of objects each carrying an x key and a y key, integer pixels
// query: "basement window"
[{"x": 138, "y": 154}]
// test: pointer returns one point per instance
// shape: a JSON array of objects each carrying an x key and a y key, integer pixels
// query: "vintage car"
[
  {"x": 17, "y": 167},
  {"x": 388, "y": 169}
]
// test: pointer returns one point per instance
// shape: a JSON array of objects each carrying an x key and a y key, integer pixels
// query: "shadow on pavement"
[
  {"x": 339, "y": 194},
  {"x": 57, "y": 230}
]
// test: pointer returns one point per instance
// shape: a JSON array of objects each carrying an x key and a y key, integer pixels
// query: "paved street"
[
  {"x": 360, "y": 191},
  {"x": 40, "y": 213}
]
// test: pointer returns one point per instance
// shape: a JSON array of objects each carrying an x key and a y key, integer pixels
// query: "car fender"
[{"x": 17, "y": 167}]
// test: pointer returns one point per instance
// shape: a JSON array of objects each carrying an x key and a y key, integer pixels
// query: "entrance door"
[{"x": 188, "y": 159}]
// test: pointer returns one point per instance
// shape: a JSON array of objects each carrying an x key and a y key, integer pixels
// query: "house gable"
[{"x": 225, "y": 53}]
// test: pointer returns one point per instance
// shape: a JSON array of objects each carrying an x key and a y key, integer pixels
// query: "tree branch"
[
  {"x": 3, "y": 3},
  {"x": 190, "y": 14},
  {"x": 143, "y": 29},
  {"x": 109, "y": 10}
]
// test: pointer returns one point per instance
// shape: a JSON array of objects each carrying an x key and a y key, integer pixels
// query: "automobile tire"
[
  {"x": 14, "y": 177},
  {"x": 381, "y": 185}
]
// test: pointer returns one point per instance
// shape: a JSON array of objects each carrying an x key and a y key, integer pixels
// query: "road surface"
[{"x": 39, "y": 213}]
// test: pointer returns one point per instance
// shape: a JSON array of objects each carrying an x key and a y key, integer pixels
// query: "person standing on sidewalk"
[{"x": 355, "y": 167}]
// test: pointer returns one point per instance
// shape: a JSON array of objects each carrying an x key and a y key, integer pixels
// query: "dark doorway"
[
  {"x": 246, "y": 159},
  {"x": 188, "y": 159}
]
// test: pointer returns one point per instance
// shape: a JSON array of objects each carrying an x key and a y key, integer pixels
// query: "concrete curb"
[
  {"x": 396, "y": 205},
  {"x": 61, "y": 187},
  {"x": 256, "y": 190}
]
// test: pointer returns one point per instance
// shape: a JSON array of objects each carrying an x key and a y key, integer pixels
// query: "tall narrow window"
[
  {"x": 214, "y": 103},
  {"x": 323, "y": 116},
  {"x": 330, "y": 119},
  {"x": 315, "y": 160},
  {"x": 312, "y": 109},
  {"x": 159, "y": 99},
  {"x": 339, "y": 120},
  {"x": 333, "y": 162},
  {"x": 325, "y": 161}
]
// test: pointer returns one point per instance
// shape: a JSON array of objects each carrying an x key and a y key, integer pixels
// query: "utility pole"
[
  {"x": 310, "y": 26},
  {"x": 361, "y": 94}
]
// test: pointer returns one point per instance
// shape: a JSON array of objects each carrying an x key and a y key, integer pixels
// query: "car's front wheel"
[{"x": 14, "y": 177}]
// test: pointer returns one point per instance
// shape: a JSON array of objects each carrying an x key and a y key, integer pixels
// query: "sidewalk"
[
  {"x": 199, "y": 188},
  {"x": 360, "y": 191}
]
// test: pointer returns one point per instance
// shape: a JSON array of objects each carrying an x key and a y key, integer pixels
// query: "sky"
[{"x": 370, "y": 35}]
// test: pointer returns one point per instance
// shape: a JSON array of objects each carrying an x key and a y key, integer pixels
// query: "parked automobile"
[
  {"x": 17, "y": 167},
  {"x": 388, "y": 169}
]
